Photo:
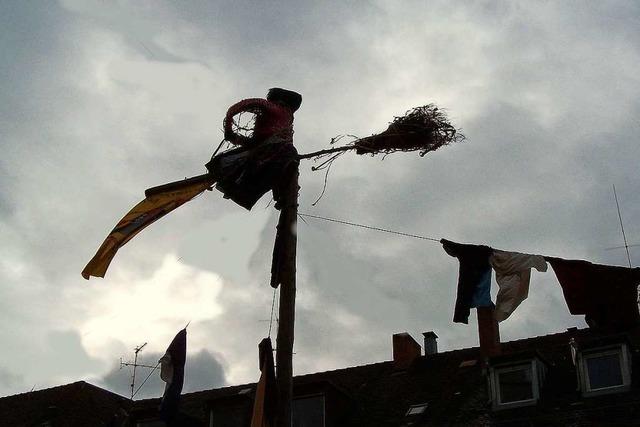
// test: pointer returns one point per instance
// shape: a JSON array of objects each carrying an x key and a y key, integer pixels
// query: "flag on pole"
[
  {"x": 145, "y": 213},
  {"x": 266, "y": 400},
  {"x": 172, "y": 373}
]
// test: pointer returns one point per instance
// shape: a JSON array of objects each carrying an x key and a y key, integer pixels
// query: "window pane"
[
  {"x": 308, "y": 412},
  {"x": 604, "y": 371},
  {"x": 515, "y": 385}
]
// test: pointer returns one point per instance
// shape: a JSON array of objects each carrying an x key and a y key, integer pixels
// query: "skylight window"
[
  {"x": 150, "y": 423},
  {"x": 417, "y": 409},
  {"x": 415, "y": 414}
]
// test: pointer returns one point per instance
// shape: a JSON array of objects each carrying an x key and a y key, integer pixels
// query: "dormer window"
[
  {"x": 516, "y": 384},
  {"x": 604, "y": 370}
]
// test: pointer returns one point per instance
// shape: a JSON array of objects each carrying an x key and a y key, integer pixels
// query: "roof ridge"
[
  {"x": 554, "y": 334},
  {"x": 191, "y": 393},
  {"x": 45, "y": 389},
  {"x": 346, "y": 368},
  {"x": 71, "y": 385},
  {"x": 102, "y": 389}
]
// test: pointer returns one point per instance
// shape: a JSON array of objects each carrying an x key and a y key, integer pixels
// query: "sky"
[{"x": 101, "y": 100}]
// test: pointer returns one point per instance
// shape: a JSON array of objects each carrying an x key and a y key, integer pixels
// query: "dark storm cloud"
[{"x": 202, "y": 371}]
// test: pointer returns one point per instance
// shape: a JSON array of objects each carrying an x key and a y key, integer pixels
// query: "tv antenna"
[{"x": 135, "y": 365}]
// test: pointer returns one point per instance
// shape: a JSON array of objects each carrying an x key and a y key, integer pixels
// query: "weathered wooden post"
[{"x": 287, "y": 312}]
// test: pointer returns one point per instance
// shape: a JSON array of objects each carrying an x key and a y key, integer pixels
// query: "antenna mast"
[{"x": 135, "y": 365}]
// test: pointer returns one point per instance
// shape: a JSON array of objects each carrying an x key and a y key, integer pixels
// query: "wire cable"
[
  {"x": 145, "y": 380},
  {"x": 273, "y": 302},
  {"x": 624, "y": 236},
  {"x": 369, "y": 227}
]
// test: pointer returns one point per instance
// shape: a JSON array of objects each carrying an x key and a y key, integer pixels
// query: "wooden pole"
[{"x": 287, "y": 274}]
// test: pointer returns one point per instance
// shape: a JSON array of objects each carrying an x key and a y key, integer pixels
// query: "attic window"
[
  {"x": 604, "y": 370},
  {"x": 517, "y": 384}
]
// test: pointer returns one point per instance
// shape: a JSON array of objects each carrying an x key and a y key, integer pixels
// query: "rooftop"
[{"x": 446, "y": 388}]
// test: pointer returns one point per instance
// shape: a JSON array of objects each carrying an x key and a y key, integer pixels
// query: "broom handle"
[
  {"x": 176, "y": 185},
  {"x": 327, "y": 151}
]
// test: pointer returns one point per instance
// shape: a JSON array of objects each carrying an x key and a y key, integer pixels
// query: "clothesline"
[
  {"x": 369, "y": 227},
  {"x": 400, "y": 233},
  {"x": 605, "y": 294}
]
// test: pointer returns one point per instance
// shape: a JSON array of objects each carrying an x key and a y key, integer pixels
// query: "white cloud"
[{"x": 136, "y": 310}]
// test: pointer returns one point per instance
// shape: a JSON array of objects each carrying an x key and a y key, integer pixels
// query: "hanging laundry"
[
  {"x": 266, "y": 400},
  {"x": 513, "y": 273},
  {"x": 172, "y": 372},
  {"x": 607, "y": 295},
  {"x": 474, "y": 277}
]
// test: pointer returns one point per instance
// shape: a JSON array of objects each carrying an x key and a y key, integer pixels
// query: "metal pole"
[
  {"x": 284, "y": 346},
  {"x": 135, "y": 365},
  {"x": 133, "y": 376}
]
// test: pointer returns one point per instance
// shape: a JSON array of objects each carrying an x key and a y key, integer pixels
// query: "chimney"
[
  {"x": 405, "y": 350},
  {"x": 430, "y": 343},
  {"x": 488, "y": 332}
]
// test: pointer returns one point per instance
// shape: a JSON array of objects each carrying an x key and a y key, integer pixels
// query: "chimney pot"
[
  {"x": 430, "y": 343},
  {"x": 405, "y": 350}
]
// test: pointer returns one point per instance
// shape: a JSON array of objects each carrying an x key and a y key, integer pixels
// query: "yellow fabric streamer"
[{"x": 137, "y": 219}]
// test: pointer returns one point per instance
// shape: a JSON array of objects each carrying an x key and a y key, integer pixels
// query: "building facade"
[{"x": 573, "y": 378}]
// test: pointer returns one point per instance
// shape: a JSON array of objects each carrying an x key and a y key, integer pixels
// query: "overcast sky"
[{"x": 101, "y": 100}]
